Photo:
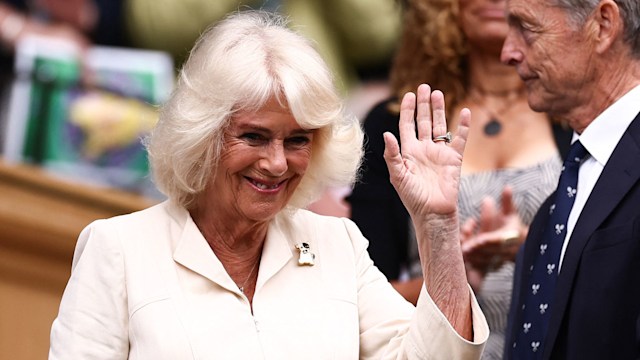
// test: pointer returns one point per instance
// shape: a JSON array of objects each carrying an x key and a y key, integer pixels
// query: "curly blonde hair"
[{"x": 432, "y": 50}]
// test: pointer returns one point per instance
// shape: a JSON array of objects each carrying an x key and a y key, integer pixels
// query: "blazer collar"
[{"x": 193, "y": 252}]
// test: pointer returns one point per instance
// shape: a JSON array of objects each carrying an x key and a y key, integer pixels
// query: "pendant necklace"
[
  {"x": 494, "y": 126},
  {"x": 241, "y": 287}
]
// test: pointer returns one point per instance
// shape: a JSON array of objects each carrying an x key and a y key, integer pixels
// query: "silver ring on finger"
[{"x": 447, "y": 138}]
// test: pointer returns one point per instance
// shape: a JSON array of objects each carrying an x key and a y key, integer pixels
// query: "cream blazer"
[{"x": 147, "y": 286}]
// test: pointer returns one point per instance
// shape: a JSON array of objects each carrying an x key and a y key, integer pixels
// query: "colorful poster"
[{"x": 85, "y": 121}]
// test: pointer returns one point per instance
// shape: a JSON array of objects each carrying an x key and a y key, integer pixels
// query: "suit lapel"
[{"x": 620, "y": 173}]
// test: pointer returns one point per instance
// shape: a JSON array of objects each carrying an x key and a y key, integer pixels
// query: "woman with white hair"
[{"x": 231, "y": 266}]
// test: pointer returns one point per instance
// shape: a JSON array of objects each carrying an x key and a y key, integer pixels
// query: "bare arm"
[{"x": 426, "y": 176}]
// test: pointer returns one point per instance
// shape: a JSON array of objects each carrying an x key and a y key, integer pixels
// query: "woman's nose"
[{"x": 275, "y": 160}]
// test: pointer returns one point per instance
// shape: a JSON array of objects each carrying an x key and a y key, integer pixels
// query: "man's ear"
[{"x": 608, "y": 24}]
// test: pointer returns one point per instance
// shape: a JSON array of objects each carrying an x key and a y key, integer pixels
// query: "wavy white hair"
[{"x": 238, "y": 65}]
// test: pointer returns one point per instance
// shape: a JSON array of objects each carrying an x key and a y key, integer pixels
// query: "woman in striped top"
[{"x": 511, "y": 161}]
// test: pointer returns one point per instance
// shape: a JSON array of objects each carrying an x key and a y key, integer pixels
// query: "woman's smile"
[{"x": 265, "y": 186}]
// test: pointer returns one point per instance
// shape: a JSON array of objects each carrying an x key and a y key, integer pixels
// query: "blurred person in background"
[
  {"x": 232, "y": 266},
  {"x": 511, "y": 161}
]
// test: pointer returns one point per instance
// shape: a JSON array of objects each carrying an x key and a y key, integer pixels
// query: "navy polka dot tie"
[{"x": 538, "y": 296}]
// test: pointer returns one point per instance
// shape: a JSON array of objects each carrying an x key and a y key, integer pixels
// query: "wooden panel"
[{"x": 40, "y": 219}]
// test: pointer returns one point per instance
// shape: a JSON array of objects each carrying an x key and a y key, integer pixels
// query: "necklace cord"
[
  {"x": 478, "y": 97},
  {"x": 241, "y": 287}
]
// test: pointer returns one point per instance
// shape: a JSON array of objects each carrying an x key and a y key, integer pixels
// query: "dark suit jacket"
[{"x": 596, "y": 311}]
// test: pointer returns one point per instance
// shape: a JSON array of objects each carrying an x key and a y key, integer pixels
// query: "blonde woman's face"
[
  {"x": 265, "y": 156},
  {"x": 484, "y": 21}
]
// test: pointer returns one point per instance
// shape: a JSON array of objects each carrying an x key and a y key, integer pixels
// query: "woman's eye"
[
  {"x": 298, "y": 140},
  {"x": 253, "y": 138}
]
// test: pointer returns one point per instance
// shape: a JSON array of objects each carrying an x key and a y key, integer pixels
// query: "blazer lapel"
[
  {"x": 194, "y": 253},
  {"x": 277, "y": 251},
  {"x": 620, "y": 173}
]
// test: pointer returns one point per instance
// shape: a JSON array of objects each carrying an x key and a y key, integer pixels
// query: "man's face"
[{"x": 552, "y": 55}]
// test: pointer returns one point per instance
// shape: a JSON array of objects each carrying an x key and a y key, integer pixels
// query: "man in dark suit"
[{"x": 581, "y": 64}]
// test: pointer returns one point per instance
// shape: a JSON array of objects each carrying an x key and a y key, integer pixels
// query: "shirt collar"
[{"x": 601, "y": 137}]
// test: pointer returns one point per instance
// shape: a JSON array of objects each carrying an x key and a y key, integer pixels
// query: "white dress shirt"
[{"x": 600, "y": 138}]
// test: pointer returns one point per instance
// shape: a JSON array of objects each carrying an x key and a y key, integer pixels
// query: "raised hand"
[{"x": 426, "y": 173}]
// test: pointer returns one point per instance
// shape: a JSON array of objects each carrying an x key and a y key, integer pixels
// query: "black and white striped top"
[{"x": 531, "y": 186}]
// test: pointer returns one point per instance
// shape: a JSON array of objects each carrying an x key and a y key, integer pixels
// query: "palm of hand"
[
  {"x": 428, "y": 180},
  {"x": 426, "y": 174}
]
